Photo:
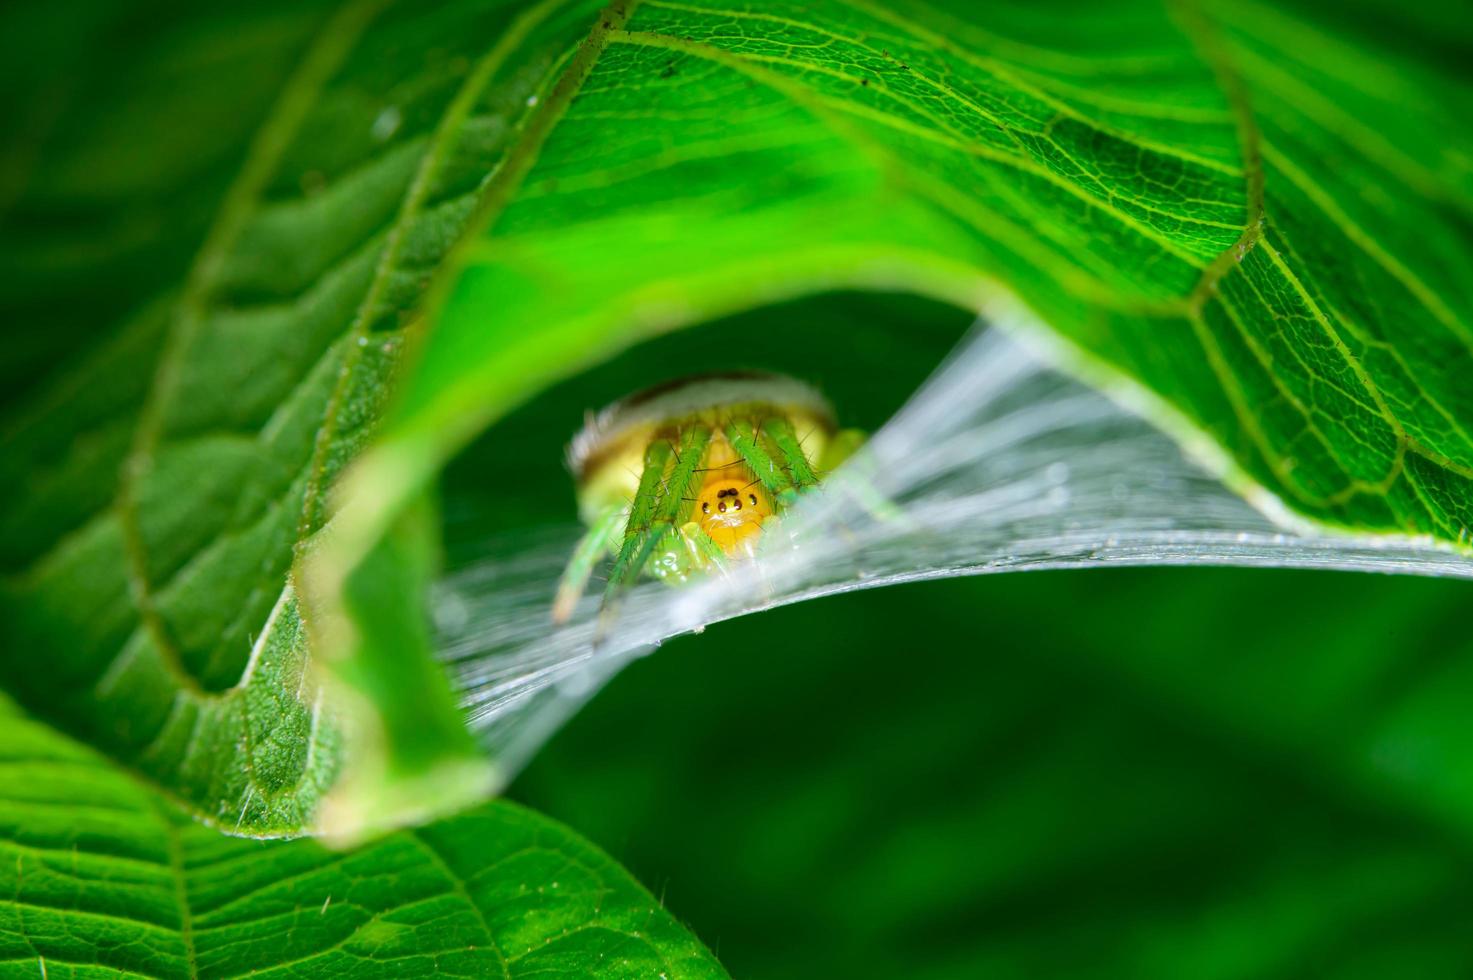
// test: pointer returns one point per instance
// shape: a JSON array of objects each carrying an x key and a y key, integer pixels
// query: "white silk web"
[{"x": 998, "y": 463}]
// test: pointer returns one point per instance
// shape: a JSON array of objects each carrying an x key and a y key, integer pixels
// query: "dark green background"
[
  {"x": 1164, "y": 772},
  {"x": 1101, "y": 773}
]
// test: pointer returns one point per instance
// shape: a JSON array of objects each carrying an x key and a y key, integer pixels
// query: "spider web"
[{"x": 999, "y": 463}]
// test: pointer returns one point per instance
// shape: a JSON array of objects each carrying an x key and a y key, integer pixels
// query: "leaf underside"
[{"x": 1255, "y": 212}]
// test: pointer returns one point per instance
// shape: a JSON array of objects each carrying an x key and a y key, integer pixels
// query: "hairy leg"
[
  {"x": 844, "y": 444},
  {"x": 663, "y": 500},
  {"x": 594, "y": 545},
  {"x": 748, "y": 445},
  {"x": 779, "y": 432}
]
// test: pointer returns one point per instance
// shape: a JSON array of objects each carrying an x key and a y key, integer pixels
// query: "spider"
[{"x": 683, "y": 477}]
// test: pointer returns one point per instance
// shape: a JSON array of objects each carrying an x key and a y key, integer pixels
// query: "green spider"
[{"x": 681, "y": 478}]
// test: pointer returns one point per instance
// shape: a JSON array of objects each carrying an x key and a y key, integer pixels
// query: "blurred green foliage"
[{"x": 1124, "y": 773}]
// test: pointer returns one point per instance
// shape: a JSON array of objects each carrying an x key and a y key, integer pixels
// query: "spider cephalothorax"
[{"x": 684, "y": 476}]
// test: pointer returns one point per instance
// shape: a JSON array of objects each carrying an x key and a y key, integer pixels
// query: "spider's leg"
[
  {"x": 774, "y": 479},
  {"x": 646, "y": 496},
  {"x": 593, "y": 546},
  {"x": 651, "y": 480},
  {"x": 702, "y": 549},
  {"x": 666, "y": 498},
  {"x": 779, "y": 432},
  {"x": 844, "y": 444}
]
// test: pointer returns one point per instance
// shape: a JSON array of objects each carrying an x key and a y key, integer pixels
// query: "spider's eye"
[
  {"x": 736, "y": 503},
  {"x": 753, "y": 498},
  {"x": 721, "y": 507},
  {"x": 705, "y": 507}
]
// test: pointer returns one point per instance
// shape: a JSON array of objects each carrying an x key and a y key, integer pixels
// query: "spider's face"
[{"x": 732, "y": 514}]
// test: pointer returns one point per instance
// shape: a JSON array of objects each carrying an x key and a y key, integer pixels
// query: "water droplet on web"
[{"x": 531, "y": 101}]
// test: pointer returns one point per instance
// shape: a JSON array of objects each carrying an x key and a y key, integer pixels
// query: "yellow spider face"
[{"x": 732, "y": 513}]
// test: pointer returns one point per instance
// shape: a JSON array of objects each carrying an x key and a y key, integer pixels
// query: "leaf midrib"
[
  {"x": 457, "y": 883},
  {"x": 181, "y": 889}
]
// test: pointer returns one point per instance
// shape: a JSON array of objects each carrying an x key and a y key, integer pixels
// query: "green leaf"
[
  {"x": 159, "y": 486},
  {"x": 100, "y": 876},
  {"x": 225, "y": 231},
  {"x": 1264, "y": 222}
]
